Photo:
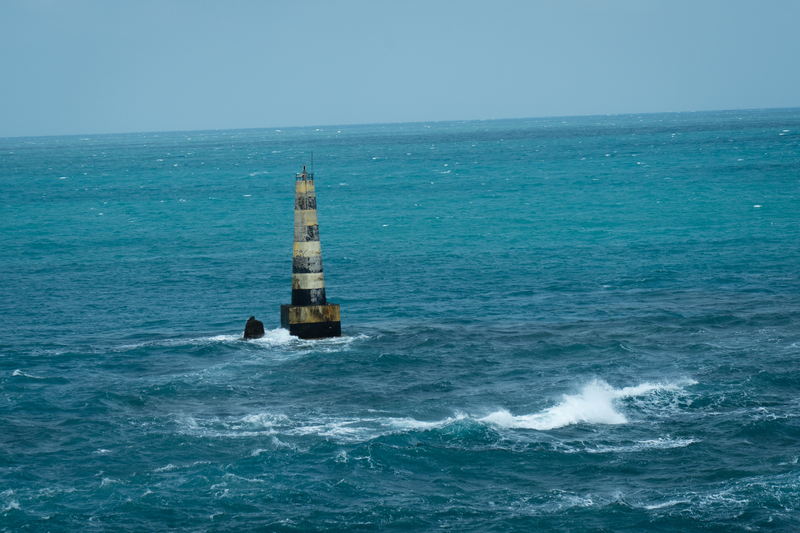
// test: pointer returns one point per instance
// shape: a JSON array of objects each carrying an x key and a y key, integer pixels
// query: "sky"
[{"x": 88, "y": 67}]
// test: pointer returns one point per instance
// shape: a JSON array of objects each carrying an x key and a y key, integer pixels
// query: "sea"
[{"x": 552, "y": 324}]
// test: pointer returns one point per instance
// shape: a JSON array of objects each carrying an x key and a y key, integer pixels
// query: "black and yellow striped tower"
[{"x": 309, "y": 316}]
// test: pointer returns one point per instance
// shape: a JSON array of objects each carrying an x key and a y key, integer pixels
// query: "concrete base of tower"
[{"x": 312, "y": 321}]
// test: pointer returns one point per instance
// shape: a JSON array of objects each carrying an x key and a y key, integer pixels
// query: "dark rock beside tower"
[{"x": 254, "y": 329}]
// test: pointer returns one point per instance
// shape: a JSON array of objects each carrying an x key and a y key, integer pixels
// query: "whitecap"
[
  {"x": 644, "y": 445},
  {"x": 13, "y": 504},
  {"x": 594, "y": 405},
  {"x": 662, "y": 505},
  {"x": 20, "y": 373},
  {"x": 263, "y": 420}
]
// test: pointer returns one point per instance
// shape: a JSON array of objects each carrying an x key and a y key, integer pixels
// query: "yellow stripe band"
[
  {"x": 304, "y": 187},
  {"x": 308, "y": 281},
  {"x": 310, "y": 314},
  {"x": 306, "y": 249},
  {"x": 305, "y": 218}
]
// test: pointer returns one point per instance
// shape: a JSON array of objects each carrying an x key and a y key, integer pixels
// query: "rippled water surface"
[{"x": 575, "y": 324}]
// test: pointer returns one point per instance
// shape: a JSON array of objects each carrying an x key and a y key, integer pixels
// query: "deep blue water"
[{"x": 574, "y": 324}]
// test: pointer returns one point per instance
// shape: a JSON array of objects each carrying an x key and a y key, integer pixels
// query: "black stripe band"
[
  {"x": 316, "y": 330},
  {"x": 305, "y": 203},
  {"x": 307, "y": 265},
  {"x": 306, "y": 233},
  {"x": 308, "y": 297}
]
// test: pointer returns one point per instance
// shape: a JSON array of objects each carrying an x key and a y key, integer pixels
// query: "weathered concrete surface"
[
  {"x": 312, "y": 321},
  {"x": 309, "y": 316}
]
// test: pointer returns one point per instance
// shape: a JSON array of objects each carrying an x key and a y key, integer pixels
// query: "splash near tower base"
[{"x": 309, "y": 316}]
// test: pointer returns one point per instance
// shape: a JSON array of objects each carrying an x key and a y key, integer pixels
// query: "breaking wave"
[{"x": 593, "y": 405}]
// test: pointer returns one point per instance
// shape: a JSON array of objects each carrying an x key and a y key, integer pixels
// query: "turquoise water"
[{"x": 576, "y": 324}]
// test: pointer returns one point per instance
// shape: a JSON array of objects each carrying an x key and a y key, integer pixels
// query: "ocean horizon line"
[{"x": 411, "y": 122}]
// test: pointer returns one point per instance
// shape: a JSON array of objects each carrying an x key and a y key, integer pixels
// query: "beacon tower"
[{"x": 309, "y": 316}]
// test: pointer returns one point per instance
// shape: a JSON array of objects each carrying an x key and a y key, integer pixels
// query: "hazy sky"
[{"x": 112, "y": 66}]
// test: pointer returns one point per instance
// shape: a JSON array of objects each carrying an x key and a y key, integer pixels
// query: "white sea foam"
[
  {"x": 342, "y": 429},
  {"x": 279, "y": 444},
  {"x": 358, "y": 429},
  {"x": 665, "y": 504},
  {"x": 262, "y": 420},
  {"x": 594, "y": 405},
  {"x": 220, "y": 338},
  {"x": 271, "y": 337},
  {"x": 644, "y": 445},
  {"x": 20, "y": 373},
  {"x": 13, "y": 504},
  {"x": 330, "y": 345},
  {"x": 274, "y": 337},
  {"x": 230, "y": 476},
  {"x": 182, "y": 342}
]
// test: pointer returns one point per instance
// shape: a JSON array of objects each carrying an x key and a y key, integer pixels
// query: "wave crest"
[{"x": 594, "y": 405}]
